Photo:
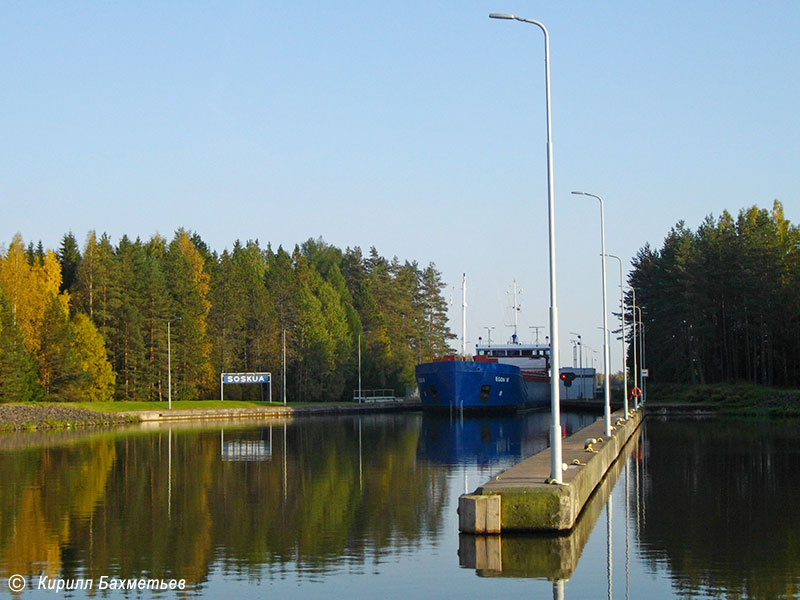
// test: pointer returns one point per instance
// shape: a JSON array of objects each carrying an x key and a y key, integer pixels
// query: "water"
[{"x": 365, "y": 507}]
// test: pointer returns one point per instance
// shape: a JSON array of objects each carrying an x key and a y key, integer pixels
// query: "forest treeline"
[
  {"x": 723, "y": 303},
  {"x": 91, "y": 323}
]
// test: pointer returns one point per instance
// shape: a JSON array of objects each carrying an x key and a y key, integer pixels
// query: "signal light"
[{"x": 567, "y": 378}]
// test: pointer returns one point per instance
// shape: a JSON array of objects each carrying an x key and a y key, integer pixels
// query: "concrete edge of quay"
[
  {"x": 277, "y": 411},
  {"x": 519, "y": 499},
  {"x": 554, "y": 557}
]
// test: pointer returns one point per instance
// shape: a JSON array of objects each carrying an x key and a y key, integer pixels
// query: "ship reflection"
[{"x": 484, "y": 440}]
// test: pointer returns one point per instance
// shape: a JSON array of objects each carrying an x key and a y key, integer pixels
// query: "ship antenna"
[
  {"x": 464, "y": 315},
  {"x": 515, "y": 307}
]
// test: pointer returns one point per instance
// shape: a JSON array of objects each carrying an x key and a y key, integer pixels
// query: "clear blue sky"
[{"x": 416, "y": 127}]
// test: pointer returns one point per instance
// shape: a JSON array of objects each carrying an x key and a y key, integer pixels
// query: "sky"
[{"x": 416, "y": 127}]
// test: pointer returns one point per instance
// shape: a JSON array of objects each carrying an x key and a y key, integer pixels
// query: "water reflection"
[
  {"x": 737, "y": 483},
  {"x": 553, "y": 557},
  {"x": 701, "y": 509},
  {"x": 171, "y": 503},
  {"x": 487, "y": 440}
]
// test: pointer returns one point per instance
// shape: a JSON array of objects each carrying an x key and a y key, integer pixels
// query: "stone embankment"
[
  {"x": 270, "y": 411},
  {"x": 18, "y": 417}
]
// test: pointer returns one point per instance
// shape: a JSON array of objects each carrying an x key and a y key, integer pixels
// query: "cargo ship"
[{"x": 504, "y": 377}]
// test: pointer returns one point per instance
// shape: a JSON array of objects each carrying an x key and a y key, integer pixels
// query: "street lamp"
[
  {"x": 555, "y": 404},
  {"x": 580, "y": 344},
  {"x": 644, "y": 362},
  {"x": 169, "y": 362},
  {"x": 606, "y": 369},
  {"x": 635, "y": 350},
  {"x": 284, "y": 363},
  {"x": 359, "y": 367},
  {"x": 643, "y": 368},
  {"x": 624, "y": 352}
]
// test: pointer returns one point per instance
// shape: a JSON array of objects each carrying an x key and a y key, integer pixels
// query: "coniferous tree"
[
  {"x": 189, "y": 288},
  {"x": 721, "y": 304},
  {"x": 58, "y": 364},
  {"x": 127, "y": 336},
  {"x": 434, "y": 307},
  {"x": 280, "y": 284},
  {"x": 156, "y": 310},
  {"x": 69, "y": 256}
]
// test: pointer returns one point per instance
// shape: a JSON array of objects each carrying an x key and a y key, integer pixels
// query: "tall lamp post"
[
  {"x": 360, "y": 394},
  {"x": 642, "y": 368},
  {"x": 555, "y": 403},
  {"x": 169, "y": 362},
  {"x": 283, "y": 378},
  {"x": 636, "y": 373},
  {"x": 624, "y": 353},
  {"x": 606, "y": 369},
  {"x": 580, "y": 345},
  {"x": 359, "y": 367}
]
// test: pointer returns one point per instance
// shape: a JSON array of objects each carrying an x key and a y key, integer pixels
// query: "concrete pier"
[
  {"x": 553, "y": 557},
  {"x": 520, "y": 499}
]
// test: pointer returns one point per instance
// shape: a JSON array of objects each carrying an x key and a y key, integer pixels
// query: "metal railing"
[{"x": 374, "y": 396}]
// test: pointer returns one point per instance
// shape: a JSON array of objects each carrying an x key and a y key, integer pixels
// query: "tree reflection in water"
[
  {"x": 707, "y": 508},
  {"x": 166, "y": 505}
]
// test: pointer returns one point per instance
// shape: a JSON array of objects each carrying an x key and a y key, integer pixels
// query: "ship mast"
[
  {"x": 515, "y": 307},
  {"x": 464, "y": 315}
]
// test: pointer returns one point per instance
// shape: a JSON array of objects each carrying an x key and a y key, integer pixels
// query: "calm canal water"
[{"x": 365, "y": 507}]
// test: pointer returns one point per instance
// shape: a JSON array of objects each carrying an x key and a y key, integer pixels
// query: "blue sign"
[{"x": 246, "y": 378}]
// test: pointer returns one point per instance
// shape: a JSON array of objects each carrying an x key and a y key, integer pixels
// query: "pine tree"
[
  {"x": 128, "y": 339},
  {"x": 280, "y": 283},
  {"x": 156, "y": 310},
  {"x": 62, "y": 378},
  {"x": 434, "y": 310},
  {"x": 189, "y": 288},
  {"x": 721, "y": 304}
]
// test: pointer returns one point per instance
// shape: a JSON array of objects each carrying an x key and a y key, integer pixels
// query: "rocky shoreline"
[{"x": 25, "y": 417}]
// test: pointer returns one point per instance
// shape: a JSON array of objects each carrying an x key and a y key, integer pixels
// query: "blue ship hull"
[{"x": 473, "y": 386}]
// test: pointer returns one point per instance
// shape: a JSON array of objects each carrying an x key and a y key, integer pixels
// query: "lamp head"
[{"x": 502, "y": 16}]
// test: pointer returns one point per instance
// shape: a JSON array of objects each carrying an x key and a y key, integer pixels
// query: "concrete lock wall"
[{"x": 523, "y": 499}]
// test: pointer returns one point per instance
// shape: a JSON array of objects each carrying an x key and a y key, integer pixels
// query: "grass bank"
[{"x": 745, "y": 399}]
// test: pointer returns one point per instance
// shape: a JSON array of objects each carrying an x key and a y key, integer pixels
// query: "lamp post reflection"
[
  {"x": 285, "y": 482},
  {"x": 169, "y": 474},
  {"x": 627, "y": 537},
  {"x": 609, "y": 529}
]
